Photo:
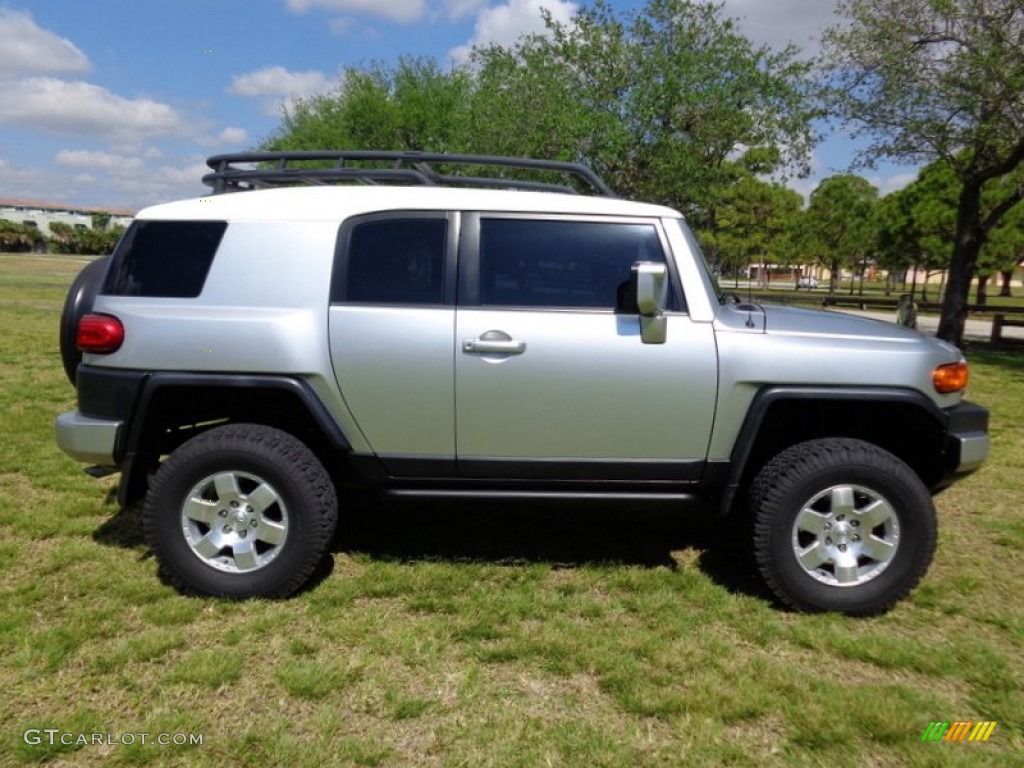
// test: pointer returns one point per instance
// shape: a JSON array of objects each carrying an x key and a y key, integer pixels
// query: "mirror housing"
[{"x": 649, "y": 281}]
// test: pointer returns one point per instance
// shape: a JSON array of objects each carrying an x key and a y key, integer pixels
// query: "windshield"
[{"x": 698, "y": 255}]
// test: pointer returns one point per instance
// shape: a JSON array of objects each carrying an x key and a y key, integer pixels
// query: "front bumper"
[
  {"x": 967, "y": 438},
  {"x": 89, "y": 440}
]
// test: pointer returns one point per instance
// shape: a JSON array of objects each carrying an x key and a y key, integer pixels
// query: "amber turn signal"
[{"x": 951, "y": 377}]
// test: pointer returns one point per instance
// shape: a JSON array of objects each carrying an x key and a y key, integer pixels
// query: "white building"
[{"x": 41, "y": 215}]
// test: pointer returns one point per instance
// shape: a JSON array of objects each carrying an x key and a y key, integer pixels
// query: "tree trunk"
[
  {"x": 1007, "y": 275},
  {"x": 961, "y": 268},
  {"x": 982, "y": 289}
]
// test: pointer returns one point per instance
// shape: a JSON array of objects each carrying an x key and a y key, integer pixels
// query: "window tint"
[
  {"x": 164, "y": 258},
  {"x": 561, "y": 263},
  {"x": 395, "y": 261}
]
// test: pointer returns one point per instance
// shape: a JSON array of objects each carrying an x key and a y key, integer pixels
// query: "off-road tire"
[
  {"x": 849, "y": 483},
  {"x": 258, "y": 460}
]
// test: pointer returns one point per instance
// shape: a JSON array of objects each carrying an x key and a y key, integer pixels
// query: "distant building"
[{"x": 40, "y": 215}]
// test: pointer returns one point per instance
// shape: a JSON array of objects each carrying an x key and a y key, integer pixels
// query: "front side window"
[
  {"x": 561, "y": 264},
  {"x": 393, "y": 261}
]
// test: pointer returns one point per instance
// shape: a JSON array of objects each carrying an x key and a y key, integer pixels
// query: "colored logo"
[{"x": 959, "y": 730}]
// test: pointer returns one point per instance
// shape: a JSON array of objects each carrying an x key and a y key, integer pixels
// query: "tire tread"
[
  {"x": 272, "y": 444},
  {"x": 780, "y": 476}
]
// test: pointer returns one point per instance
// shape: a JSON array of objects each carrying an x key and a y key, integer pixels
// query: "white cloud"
[
  {"x": 278, "y": 81},
  {"x": 26, "y": 47},
  {"x": 505, "y": 24},
  {"x": 107, "y": 161},
  {"x": 75, "y": 107},
  {"x": 460, "y": 9},
  {"x": 894, "y": 182},
  {"x": 232, "y": 135},
  {"x": 780, "y": 22},
  {"x": 191, "y": 174},
  {"x": 277, "y": 86},
  {"x": 401, "y": 11}
]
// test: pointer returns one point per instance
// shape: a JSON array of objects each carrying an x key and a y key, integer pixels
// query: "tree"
[
  {"x": 839, "y": 226},
  {"x": 414, "y": 105},
  {"x": 16, "y": 237},
  {"x": 921, "y": 218},
  {"x": 755, "y": 226},
  {"x": 928, "y": 79},
  {"x": 669, "y": 103},
  {"x": 1002, "y": 253},
  {"x": 82, "y": 240},
  {"x": 663, "y": 102}
]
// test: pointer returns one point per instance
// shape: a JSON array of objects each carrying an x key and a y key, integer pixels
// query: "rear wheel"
[
  {"x": 841, "y": 525},
  {"x": 240, "y": 511}
]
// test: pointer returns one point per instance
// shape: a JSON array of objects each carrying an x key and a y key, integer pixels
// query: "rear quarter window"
[{"x": 167, "y": 259}]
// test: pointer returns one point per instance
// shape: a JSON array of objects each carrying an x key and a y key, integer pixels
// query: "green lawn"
[{"x": 479, "y": 636}]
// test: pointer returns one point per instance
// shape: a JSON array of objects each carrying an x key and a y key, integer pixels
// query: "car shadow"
[{"x": 560, "y": 535}]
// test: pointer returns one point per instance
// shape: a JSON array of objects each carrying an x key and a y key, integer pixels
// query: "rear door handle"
[{"x": 493, "y": 343}]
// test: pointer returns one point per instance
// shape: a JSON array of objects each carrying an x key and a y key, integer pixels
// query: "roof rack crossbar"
[{"x": 278, "y": 169}]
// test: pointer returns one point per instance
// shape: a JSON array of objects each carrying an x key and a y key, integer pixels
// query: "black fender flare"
[
  {"x": 133, "y": 472},
  {"x": 769, "y": 396}
]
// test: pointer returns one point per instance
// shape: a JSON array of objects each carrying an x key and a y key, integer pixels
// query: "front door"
[{"x": 552, "y": 379}]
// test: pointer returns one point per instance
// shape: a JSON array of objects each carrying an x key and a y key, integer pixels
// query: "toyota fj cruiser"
[{"x": 244, "y": 359}]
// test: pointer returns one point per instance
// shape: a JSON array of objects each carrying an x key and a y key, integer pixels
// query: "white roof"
[{"x": 333, "y": 203}]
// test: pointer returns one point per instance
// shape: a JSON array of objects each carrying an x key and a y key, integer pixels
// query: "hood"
[
  {"x": 822, "y": 322},
  {"x": 794, "y": 321}
]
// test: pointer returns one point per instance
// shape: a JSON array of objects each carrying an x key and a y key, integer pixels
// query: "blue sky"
[{"x": 118, "y": 102}]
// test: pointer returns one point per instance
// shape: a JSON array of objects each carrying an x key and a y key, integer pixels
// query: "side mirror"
[{"x": 649, "y": 280}]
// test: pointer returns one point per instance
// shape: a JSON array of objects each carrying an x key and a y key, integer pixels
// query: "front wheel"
[
  {"x": 240, "y": 511},
  {"x": 841, "y": 525}
]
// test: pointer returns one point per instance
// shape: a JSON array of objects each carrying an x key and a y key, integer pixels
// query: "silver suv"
[{"x": 245, "y": 359}]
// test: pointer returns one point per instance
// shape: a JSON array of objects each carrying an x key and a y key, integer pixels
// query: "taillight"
[
  {"x": 99, "y": 334},
  {"x": 951, "y": 377}
]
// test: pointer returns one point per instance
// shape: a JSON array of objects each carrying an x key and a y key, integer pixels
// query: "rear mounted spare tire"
[{"x": 79, "y": 302}]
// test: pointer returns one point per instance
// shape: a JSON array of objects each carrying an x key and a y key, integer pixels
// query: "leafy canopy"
[{"x": 665, "y": 102}]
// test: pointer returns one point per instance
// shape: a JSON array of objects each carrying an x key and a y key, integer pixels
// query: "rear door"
[
  {"x": 552, "y": 379},
  {"x": 392, "y": 321}
]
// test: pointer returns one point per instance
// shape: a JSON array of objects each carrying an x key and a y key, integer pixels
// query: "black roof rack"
[{"x": 261, "y": 170}]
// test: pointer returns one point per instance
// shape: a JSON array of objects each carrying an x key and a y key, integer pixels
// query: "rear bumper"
[
  {"x": 97, "y": 431},
  {"x": 87, "y": 439}
]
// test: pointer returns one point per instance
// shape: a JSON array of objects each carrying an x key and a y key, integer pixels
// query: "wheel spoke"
[
  {"x": 811, "y": 521},
  {"x": 227, "y": 486},
  {"x": 841, "y": 500},
  {"x": 271, "y": 532},
  {"x": 245, "y": 556},
  {"x": 262, "y": 498},
  {"x": 874, "y": 514},
  {"x": 878, "y": 549},
  {"x": 201, "y": 510},
  {"x": 846, "y": 570},
  {"x": 813, "y": 556},
  {"x": 209, "y": 545}
]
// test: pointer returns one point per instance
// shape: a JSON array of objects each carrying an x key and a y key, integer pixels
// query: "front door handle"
[{"x": 493, "y": 343}]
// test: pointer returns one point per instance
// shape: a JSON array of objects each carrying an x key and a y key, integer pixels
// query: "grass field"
[{"x": 473, "y": 636}]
